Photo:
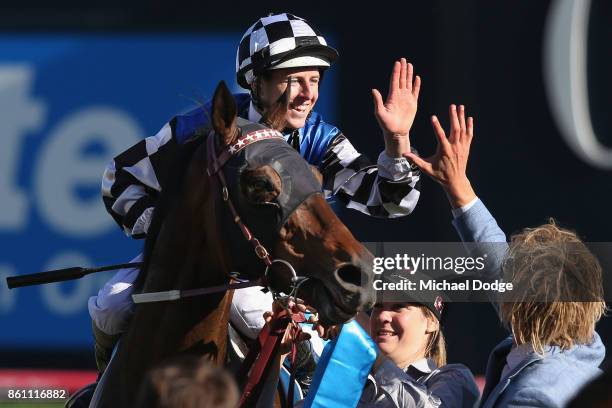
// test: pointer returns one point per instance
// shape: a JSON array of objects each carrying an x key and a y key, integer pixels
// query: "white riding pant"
[{"x": 112, "y": 308}]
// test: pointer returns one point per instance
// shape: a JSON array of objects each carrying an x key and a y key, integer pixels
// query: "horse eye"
[
  {"x": 261, "y": 190},
  {"x": 261, "y": 185}
]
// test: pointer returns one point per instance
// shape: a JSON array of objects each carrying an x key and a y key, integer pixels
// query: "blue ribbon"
[{"x": 342, "y": 369}]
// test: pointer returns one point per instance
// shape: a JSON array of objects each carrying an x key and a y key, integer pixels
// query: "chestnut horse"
[{"x": 194, "y": 242}]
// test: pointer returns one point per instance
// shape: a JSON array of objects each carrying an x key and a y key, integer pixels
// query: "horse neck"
[{"x": 188, "y": 255}]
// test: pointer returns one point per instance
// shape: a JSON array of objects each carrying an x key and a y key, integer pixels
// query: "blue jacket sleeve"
[
  {"x": 482, "y": 237},
  {"x": 477, "y": 225}
]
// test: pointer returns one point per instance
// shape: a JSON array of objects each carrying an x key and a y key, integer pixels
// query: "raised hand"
[
  {"x": 448, "y": 164},
  {"x": 396, "y": 115}
]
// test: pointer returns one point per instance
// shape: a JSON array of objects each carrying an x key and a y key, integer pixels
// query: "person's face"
[
  {"x": 401, "y": 331},
  {"x": 303, "y": 93}
]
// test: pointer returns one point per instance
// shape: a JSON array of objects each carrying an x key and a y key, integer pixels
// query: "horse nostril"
[{"x": 350, "y": 273}]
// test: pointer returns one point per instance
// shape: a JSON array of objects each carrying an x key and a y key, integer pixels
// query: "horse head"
[{"x": 279, "y": 197}]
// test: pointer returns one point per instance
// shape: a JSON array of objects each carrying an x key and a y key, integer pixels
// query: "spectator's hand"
[
  {"x": 396, "y": 114},
  {"x": 277, "y": 306},
  {"x": 324, "y": 332},
  {"x": 448, "y": 165}
]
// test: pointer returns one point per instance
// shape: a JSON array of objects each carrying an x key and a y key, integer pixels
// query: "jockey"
[{"x": 280, "y": 61}]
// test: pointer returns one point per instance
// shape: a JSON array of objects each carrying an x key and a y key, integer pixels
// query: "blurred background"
[{"x": 78, "y": 84}]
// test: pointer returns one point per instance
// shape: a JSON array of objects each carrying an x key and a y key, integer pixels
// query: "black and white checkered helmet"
[{"x": 280, "y": 41}]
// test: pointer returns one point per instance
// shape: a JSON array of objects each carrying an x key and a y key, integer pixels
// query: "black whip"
[{"x": 60, "y": 275}]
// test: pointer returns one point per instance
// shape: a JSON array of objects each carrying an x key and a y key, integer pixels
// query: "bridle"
[
  {"x": 216, "y": 176},
  {"x": 218, "y": 182},
  {"x": 257, "y": 361}
]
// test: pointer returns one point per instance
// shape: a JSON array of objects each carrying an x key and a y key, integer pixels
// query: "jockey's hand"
[
  {"x": 396, "y": 115},
  {"x": 449, "y": 163},
  {"x": 277, "y": 307}
]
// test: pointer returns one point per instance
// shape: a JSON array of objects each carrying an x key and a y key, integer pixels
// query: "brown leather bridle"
[{"x": 215, "y": 165}]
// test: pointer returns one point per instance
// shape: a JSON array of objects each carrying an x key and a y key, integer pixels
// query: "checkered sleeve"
[
  {"x": 389, "y": 189},
  {"x": 131, "y": 181}
]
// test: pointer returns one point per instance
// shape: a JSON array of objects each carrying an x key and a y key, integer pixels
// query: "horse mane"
[
  {"x": 177, "y": 254},
  {"x": 173, "y": 185}
]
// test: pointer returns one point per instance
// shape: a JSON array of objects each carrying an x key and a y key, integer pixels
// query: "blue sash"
[{"x": 342, "y": 369}]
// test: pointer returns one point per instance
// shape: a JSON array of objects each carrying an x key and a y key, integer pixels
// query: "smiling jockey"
[{"x": 280, "y": 61}]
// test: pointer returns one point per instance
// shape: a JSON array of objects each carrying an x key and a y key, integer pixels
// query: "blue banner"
[{"x": 68, "y": 104}]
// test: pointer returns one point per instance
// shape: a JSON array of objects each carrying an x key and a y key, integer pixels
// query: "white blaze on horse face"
[{"x": 303, "y": 92}]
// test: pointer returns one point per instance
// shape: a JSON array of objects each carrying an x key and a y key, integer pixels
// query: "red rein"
[{"x": 268, "y": 343}]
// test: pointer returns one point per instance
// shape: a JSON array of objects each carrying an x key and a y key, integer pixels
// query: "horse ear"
[{"x": 224, "y": 114}]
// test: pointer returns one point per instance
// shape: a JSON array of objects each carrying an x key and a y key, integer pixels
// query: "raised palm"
[
  {"x": 396, "y": 115},
  {"x": 448, "y": 164}
]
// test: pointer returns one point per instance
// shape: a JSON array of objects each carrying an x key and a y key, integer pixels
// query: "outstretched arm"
[{"x": 448, "y": 166}]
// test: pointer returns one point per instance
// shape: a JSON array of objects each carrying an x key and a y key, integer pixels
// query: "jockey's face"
[
  {"x": 303, "y": 92},
  {"x": 401, "y": 331}
]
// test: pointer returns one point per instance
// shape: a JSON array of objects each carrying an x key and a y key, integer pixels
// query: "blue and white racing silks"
[{"x": 132, "y": 180}]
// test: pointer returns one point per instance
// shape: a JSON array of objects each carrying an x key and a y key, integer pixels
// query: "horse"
[{"x": 198, "y": 238}]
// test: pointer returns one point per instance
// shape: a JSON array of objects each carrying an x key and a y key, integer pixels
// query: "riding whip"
[{"x": 61, "y": 275}]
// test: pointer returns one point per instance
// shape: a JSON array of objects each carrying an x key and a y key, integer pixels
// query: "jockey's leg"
[
  {"x": 247, "y": 310},
  {"x": 111, "y": 312},
  {"x": 103, "y": 347}
]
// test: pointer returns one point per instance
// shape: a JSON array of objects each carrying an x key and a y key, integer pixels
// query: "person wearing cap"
[
  {"x": 553, "y": 349},
  {"x": 280, "y": 62},
  {"x": 411, "y": 370}
]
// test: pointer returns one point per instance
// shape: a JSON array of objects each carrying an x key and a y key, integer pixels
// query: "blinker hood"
[{"x": 297, "y": 184}]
